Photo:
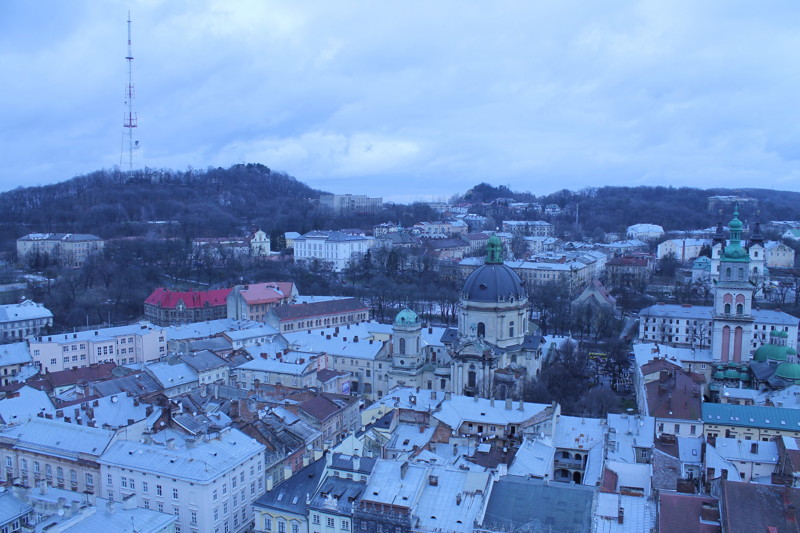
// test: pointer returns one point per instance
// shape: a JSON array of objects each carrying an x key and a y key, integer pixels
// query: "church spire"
[
  {"x": 755, "y": 236},
  {"x": 719, "y": 236},
  {"x": 734, "y": 251}
]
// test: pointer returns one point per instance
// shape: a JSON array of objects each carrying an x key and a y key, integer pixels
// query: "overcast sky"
[{"x": 410, "y": 100}]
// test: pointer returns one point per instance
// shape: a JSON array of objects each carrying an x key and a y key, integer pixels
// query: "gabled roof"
[
  {"x": 751, "y": 416},
  {"x": 270, "y": 292},
  {"x": 310, "y": 310},
  {"x": 290, "y": 496},
  {"x": 167, "y": 299},
  {"x": 748, "y": 507}
]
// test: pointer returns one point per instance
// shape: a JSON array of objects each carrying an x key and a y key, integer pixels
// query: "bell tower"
[{"x": 733, "y": 299}]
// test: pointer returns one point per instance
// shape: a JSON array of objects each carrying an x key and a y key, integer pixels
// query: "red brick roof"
[
  {"x": 167, "y": 299},
  {"x": 265, "y": 293}
]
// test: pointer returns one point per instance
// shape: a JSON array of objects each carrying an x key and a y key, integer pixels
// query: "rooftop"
[
  {"x": 207, "y": 460},
  {"x": 752, "y": 416},
  {"x": 167, "y": 299},
  {"x": 56, "y": 437}
]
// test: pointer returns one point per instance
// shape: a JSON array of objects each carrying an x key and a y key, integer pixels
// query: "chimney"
[
  {"x": 306, "y": 461},
  {"x": 433, "y": 395},
  {"x": 458, "y": 499},
  {"x": 190, "y": 443},
  {"x": 355, "y": 338},
  {"x": 403, "y": 469},
  {"x": 287, "y": 472},
  {"x": 521, "y": 406},
  {"x": 269, "y": 483},
  {"x": 110, "y": 507},
  {"x": 356, "y": 462},
  {"x": 448, "y": 396},
  {"x": 509, "y": 404},
  {"x": 170, "y": 444},
  {"x": 710, "y": 512},
  {"x": 491, "y": 401},
  {"x": 621, "y": 516},
  {"x": 129, "y": 502}
]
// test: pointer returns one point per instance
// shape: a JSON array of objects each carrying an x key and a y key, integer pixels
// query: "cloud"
[{"x": 409, "y": 98}]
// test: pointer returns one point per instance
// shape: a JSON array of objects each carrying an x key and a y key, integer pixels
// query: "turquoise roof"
[
  {"x": 494, "y": 250},
  {"x": 406, "y": 317},
  {"x": 790, "y": 371},
  {"x": 772, "y": 352},
  {"x": 752, "y": 416}
]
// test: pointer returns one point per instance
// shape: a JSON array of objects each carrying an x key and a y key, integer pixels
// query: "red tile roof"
[
  {"x": 264, "y": 293},
  {"x": 167, "y": 299}
]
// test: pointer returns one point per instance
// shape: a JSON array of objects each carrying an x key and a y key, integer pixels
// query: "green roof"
[
  {"x": 719, "y": 374},
  {"x": 790, "y": 371},
  {"x": 731, "y": 374},
  {"x": 752, "y": 416},
  {"x": 744, "y": 376},
  {"x": 771, "y": 352},
  {"x": 406, "y": 317}
]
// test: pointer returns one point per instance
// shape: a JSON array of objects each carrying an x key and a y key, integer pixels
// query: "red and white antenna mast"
[{"x": 129, "y": 121}]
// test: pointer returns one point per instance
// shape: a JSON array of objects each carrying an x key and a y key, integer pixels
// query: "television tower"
[{"x": 129, "y": 121}]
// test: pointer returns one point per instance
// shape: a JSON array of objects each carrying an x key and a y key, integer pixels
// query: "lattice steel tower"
[{"x": 129, "y": 121}]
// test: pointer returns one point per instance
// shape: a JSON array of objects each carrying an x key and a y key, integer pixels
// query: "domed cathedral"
[
  {"x": 492, "y": 352},
  {"x": 733, "y": 298}
]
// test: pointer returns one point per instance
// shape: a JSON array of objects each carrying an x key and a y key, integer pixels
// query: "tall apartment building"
[
  {"x": 333, "y": 247},
  {"x": 350, "y": 204},
  {"x": 20, "y": 321},
  {"x": 69, "y": 250},
  {"x": 209, "y": 483},
  {"x": 137, "y": 343}
]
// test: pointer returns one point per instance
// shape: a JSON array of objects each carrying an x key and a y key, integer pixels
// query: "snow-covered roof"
[
  {"x": 172, "y": 375},
  {"x": 15, "y": 354},
  {"x": 460, "y": 409},
  {"x": 534, "y": 458},
  {"x": 207, "y": 460},
  {"x": 27, "y": 310},
  {"x": 26, "y": 403},
  {"x": 56, "y": 437}
]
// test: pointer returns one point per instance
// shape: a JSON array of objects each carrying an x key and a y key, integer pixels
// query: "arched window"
[
  {"x": 481, "y": 329},
  {"x": 471, "y": 379},
  {"x": 727, "y": 309},
  {"x": 728, "y": 273},
  {"x": 402, "y": 346},
  {"x": 741, "y": 273},
  {"x": 739, "y": 309}
]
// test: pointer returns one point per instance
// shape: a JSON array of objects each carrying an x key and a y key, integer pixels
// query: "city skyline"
[{"x": 353, "y": 98}]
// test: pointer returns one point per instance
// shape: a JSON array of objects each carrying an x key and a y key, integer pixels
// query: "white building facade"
[
  {"x": 209, "y": 484},
  {"x": 137, "y": 343}
]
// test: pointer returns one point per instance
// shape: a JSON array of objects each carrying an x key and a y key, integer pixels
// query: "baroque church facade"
[{"x": 489, "y": 354}]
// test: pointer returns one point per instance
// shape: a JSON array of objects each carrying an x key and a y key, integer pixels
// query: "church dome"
[
  {"x": 406, "y": 317},
  {"x": 772, "y": 352},
  {"x": 494, "y": 281},
  {"x": 790, "y": 371}
]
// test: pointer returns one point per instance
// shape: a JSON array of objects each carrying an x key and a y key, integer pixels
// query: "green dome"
[
  {"x": 731, "y": 374},
  {"x": 791, "y": 351},
  {"x": 744, "y": 376},
  {"x": 771, "y": 352},
  {"x": 790, "y": 371},
  {"x": 732, "y": 364},
  {"x": 719, "y": 374},
  {"x": 778, "y": 333},
  {"x": 406, "y": 317}
]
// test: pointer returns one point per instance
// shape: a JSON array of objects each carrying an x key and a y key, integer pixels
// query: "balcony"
[{"x": 572, "y": 464}]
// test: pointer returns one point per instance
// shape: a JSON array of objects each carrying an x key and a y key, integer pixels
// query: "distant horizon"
[{"x": 408, "y": 100}]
